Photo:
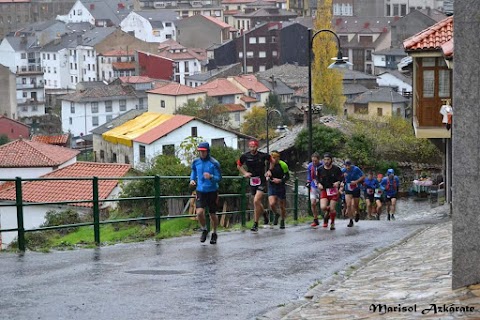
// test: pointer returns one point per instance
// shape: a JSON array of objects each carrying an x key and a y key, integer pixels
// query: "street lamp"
[
  {"x": 268, "y": 113},
  {"x": 340, "y": 62}
]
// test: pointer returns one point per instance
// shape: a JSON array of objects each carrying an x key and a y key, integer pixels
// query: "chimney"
[
  {"x": 79, "y": 39},
  {"x": 338, "y": 21},
  {"x": 92, "y": 6},
  {"x": 23, "y": 39}
]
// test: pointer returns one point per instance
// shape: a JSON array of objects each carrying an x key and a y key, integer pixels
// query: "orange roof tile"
[
  {"x": 248, "y": 99},
  {"x": 55, "y": 140},
  {"x": 176, "y": 89},
  {"x": 230, "y": 12},
  {"x": 65, "y": 190},
  {"x": 431, "y": 38},
  {"x": 163, "y": 129},
  {"x": 220, "y": 23},
  {"x": 118, "y": 53},
  {"x": 234, "y": 107},
  {"x": 123, "y": 65},
  {"x": 28, "y": 154},
  {"x": 447, "y": 48},
  {"x": 220, "y": 87},
  {"x": 250, "y": 82},
  {"x": 136, "y": 79}
]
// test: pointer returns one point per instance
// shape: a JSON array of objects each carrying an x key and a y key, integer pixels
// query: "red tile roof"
[
  {"x": 234, "y": 107},
  {"x": 29, "y": 154},
  {"x": 55, "y": 140},
  {"x": 163, "y": 129},
  {"x": 117, "y": 53},
  {"x": 220, "y": 87},
  {"x": 136, "y": 79},
  {"x": 220, "y": 23},
  {"x": 13, "y": 120},
  {"x": 250, "y": 82},
  {"x": 248, "y": 99},
  {"x": 230, "y": 12},
  {"x": 176, "y": 89},
  {"x": 447, "y": 48},
  {"x": 431, "y": 38},
  {"x": 65, "y": 190},
  {"x": 123, "y": 65}
]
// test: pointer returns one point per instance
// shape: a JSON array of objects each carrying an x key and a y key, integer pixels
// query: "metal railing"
[{"x": 157, "y": 198}]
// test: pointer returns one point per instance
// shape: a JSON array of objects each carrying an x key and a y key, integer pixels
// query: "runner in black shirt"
[
  {"x": 255, "y": 161},
  {"x": 329, "y": 177}
]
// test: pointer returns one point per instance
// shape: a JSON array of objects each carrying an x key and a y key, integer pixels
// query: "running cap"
[
  {"x": 203, "y": 146},
  {"x": 327, "y": 155},
  {"x": 348, "y": 162},
  {"x": 390, "y": 171}
]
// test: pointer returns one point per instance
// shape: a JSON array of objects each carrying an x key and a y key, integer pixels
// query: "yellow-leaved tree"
[
  {"x": 255, "y": 123},
  {"x": 327, "y": 83}
]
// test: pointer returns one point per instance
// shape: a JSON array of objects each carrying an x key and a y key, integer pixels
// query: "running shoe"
[
  {"x": 388, "y": 217},
  {"x": 213, "y": 239},
  {"x": 275, "y": 220},
  {"x": 332, "y": 226},
  {"x": 325, "y": 223},
  {"x": 357, "y": 217},
  {"x": 265, "y": 217},
  {"x": 255, "y": 227},
  {"x": 315, "y": 223},
  {"x": 393, "y": 216},
  {"x": 282, "y": 224},
  {"x": 204, "y": 235},
  {"x": 350, "y": 224}
]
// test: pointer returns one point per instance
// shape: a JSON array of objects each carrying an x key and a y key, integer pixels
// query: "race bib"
[
  {"x": 378, "y": 193},
  {"x": 255, "y": 181},
  {"x": 370, "y": 191},
  {"x": 332, "y": 191},
  {"x": 351, "y": 186}
]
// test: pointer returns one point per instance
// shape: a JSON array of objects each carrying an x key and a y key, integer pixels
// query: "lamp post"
[
  {"x": 340, "y": 62},
  {"x": 268, "y": 113}
]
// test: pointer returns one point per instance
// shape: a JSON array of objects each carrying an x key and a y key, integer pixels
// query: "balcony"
[{"x": 30, "y": 102}]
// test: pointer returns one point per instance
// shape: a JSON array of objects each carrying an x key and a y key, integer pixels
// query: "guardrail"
[{"x": 157, "y": 198}]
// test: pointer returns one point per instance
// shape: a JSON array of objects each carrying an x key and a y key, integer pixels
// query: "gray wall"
[
  {"x": 196, "y": 32},
  {"x": 466, "y": 145}
]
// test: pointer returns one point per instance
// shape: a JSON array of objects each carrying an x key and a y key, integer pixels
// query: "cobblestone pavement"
[{"x": 411, "y": 280}]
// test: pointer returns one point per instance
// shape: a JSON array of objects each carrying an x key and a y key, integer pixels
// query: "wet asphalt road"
[{"x": 243, "y": 276}]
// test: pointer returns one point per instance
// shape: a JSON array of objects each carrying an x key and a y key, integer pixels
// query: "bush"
[
  {"x": 54, "y": 218},
  {"x": 325, "y": 139}
]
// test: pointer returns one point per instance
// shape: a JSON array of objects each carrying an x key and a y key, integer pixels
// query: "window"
[
  {"x": 250, "y": 69},
  {"x": 274, "y": 39},
  {"x": 249, "y": 54},
  {"x": 127, "y": 161},
  {"x": 444, "y": 83},
  {"x": 123, "y": 104},
  {"x": 399, "y": 112},
  {"x": 95, "y": 121},
  {"x": 274, "y": 53},
  {"x": 114, "y": 157},
  {"x": 262, "y": 40},
  {"x": 141, "y": 151},
  {"x": 380, "y": 112},
  {"x": 24, "y": 94},
  {"x": 72, "y": 107},
  {"x": 368, "y": 55},
  {"x": 262, "y": 54},
  {"x": 54, "y": 56},
  {"x": 43, "y": 56},
  {"x": 396, "y": 9},
  {"x": 389, "y": 11},
  {"x": 360, "y": 109},
  {"x": 168, "y": 149},
  {"x": 252, "y": 40},
  {"x": 428, "y": 83},
  {"x": 403, "y": 10},
  {"x": 162, "y": 103},
  {"x": 218, "y": 142},
  {"x": 70, "y": 120},
  {"x": 108, "y": 118},
  {"x": 237, "y": 116},
  {"x": 194, "y": 132},
  {"x": 94, "y": 107},
  {"x": 262, "y": 68},
  {"x": 186, "y": 67},
  {"x": 108, "y": 106},
  {"x": 168, "y": 24},
  {"x": 23, "y": 55},
  {"x": 24, "y": 80},
  {"x": 240, "y": 54}
]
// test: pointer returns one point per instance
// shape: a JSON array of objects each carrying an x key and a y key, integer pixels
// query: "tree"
[
  {"x": 274, "y": 103},
  {"x": 325, "y": 139},
  {"x": 254, "y": 123},
  {"x": 209, "y": 110},
  {"x": 327, "y": 83},
  {"x": 4, "y": 139},
  {"x": 188, "y": 148}
]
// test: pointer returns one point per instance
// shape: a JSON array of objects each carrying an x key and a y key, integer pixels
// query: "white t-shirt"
[{"x": 444, "y": 111}]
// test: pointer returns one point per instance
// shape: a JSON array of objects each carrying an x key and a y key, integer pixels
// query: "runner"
[
  {"x": 329, "y": 177},
  {"x": 277, "y": 192},
  {"x": 206, "y": 175},
  {"x": 255, "y": 161},
  {"x": 353, "y": 177},
  {"x": 312, "y": 185},
  {"x": 379, "y": 198},
  {"x": 390, "y": 183},
  {"x": 371, "y": 184}
]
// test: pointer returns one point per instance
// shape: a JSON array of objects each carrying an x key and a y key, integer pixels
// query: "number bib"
[
  {"x": 370, "y": 191},
  {"x": 255, "y": 181},
  {"x": 378, "y": 193},
  {"x": 351, "y": 186},
  {"x": 332, "y": 191}
]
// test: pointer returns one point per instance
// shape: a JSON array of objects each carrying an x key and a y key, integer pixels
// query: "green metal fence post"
[
  {"x": 157, "y": 204},
  {"x": 243, "y": 200},
  {"x": 295, "y": 200},
  {"x": 96, "y": 212},
  {"x": 19, "y": 204}
]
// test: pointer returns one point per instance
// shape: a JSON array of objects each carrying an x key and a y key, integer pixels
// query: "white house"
[
  {"x": 59, "y": 190},
  {"x": 151, "y": 25},
  {"x": 87, "y": 109},
  {"x": 100, "y": 13},
  {"x": 152, "y": 134},
  {"x": 116, "y": 63},
  {"x": 396, "y": 80},
  {"x": 22, "y": 56}
]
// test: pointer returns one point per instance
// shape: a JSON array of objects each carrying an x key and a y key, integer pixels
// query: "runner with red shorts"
[{"x": 329, "y": 177}]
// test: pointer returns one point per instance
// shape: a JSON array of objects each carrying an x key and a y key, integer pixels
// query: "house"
[
  {"x": 8, "y": 92},
  {"x": 236, "y": 115},
  {"x": 61, "y": 140},
  {"x": 382, "y": 102},
  {"x": 151, "y": 25},
  {"x": 99, "y": 13},
  {"x": 224, "y": 91},
  {"x": 60, "y": 190},
  {"x": 432, "y": 53},
  {"x": 155, "y": 66},
  {"x": 169, "y": 98},
  {"x": 152, "y": 134},
  {"x": 13, "y": 129},
  {"x": 31, "y": 159},
  {"x": 87, "y": 109},
  {"x": 255, "y": 92},
  {"x": 249, "y": 20},
  {"x": 188, "y": 61},
  {"x": 184, "y": 8},
  {"x": 116, "y": 63},
  {"x": 278, "y": 87},
  {"x": 387, "y": 59},
  {"x": 201, "y": 31},
  {"x": 404, "y": 7},
  {"x": 222, "y": 72},
  {"x": 400, "y": 82}
]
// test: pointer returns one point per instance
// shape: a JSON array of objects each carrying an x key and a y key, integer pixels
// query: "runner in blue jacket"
[{"x": 205, "y": 175}]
